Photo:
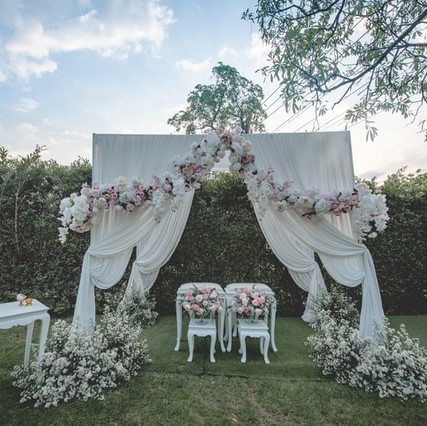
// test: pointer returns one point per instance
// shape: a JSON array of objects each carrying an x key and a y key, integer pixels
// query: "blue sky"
[{"x": 71, "y": 68}]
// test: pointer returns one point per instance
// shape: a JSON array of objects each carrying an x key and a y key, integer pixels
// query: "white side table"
[
  {"x": 256, "y": 328},
  {"x": 178, "y": 308},
  {"x": 13, "y": 314}
]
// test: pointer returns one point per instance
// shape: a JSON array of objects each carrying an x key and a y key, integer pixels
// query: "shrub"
[
  {"x": 77, "y": 365},
  {"x": 394, "y": 365}
]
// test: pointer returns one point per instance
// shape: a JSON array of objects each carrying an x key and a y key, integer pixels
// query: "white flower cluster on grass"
[
  {"x": 394, "y": 365},
  {"x": 81, "y": 366}
]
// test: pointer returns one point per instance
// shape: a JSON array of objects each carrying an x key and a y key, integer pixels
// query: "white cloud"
[
  {"x": 2, "y": 76},
  {"x": 188, "y": 65},
  {"x": 257, "y": 51},
  {"x": 227, "y": 52},
  {"x": 64, "y": 146},
  {"x": 122, "y": 27},
  {"x": 26, "y": 105},
  {"x": 29, "y": 132}
]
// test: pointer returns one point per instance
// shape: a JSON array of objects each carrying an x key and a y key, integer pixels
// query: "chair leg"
[
  {"x": 190, "y": 338},
  {"x": 266, "y": 344},
  {"x": 243, "y": 347},
  {"x": 213, "y": 342}
]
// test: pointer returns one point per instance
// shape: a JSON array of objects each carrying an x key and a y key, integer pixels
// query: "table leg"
[
  {"x": 221, "y": 327},
  {"x": 178, "y": 308},
  {"x": 28, "y": 343},
  {"x": 45, "y": 320},
  {"x": 273, "y": 326},
  {"x": 229, "y": 332}
]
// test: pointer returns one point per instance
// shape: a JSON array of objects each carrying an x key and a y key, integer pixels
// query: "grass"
[{"x": 171, "y": 391}]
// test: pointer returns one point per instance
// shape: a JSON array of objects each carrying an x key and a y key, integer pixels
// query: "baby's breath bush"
[
  {"x": 394, "y": 365},
  {"x": 140, "y": 310},
  {"x": 81, "y": 366}
]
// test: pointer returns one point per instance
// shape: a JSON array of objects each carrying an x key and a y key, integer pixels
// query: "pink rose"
[{"x": 258, "y": 312}]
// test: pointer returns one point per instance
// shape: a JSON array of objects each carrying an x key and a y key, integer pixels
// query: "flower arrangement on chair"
[
  {"x": 251, "y": 303},
  {"x": 202, "y": 302}
]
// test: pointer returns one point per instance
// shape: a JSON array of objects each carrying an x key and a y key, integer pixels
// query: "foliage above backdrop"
[
  {"x": 374, "y": 50},
  {"x": 230, "y": 99}
]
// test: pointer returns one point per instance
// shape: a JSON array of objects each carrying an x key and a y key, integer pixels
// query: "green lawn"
[{"x": 171, "y": 391}]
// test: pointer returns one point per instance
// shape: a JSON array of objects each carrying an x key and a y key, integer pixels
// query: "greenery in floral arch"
[
  {"x": 77, "y": 365},
  {"x": 80, "y": 212},
  {"x": 393, "y": 365}
]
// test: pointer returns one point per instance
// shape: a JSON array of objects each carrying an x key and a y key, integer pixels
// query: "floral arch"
[{"x": 296, "y": 218}]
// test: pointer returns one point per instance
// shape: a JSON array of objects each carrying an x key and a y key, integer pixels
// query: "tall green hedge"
[
  {"x": 400, "y": 253},
  {"x": 31, "y": 259},
  {"x": 222, "y": 241}
]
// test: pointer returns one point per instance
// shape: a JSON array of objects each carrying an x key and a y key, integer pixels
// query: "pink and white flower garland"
[{"x": 80, "y": 212}]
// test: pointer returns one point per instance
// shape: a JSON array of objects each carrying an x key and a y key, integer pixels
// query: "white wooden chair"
[
  {"x": 231, "y": 321},
  {"x": 202, "y": 328},
  {"x": 178, "y": 308},
  {"x": 257, "y": 329}
]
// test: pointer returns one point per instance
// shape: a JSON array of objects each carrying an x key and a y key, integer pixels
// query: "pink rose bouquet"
[
  {"x": 251, "y": 303},
  {"x": 202, "y": 302}
]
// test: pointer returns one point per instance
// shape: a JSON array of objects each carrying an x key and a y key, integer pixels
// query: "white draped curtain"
[
  {"x": 321, "y": 159},
  {"x": 118, "y": 233}
]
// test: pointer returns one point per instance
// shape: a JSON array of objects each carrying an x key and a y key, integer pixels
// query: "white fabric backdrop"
[
  {"x": 321, "y": 159},
  {"x": 113, "y": 240}
]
